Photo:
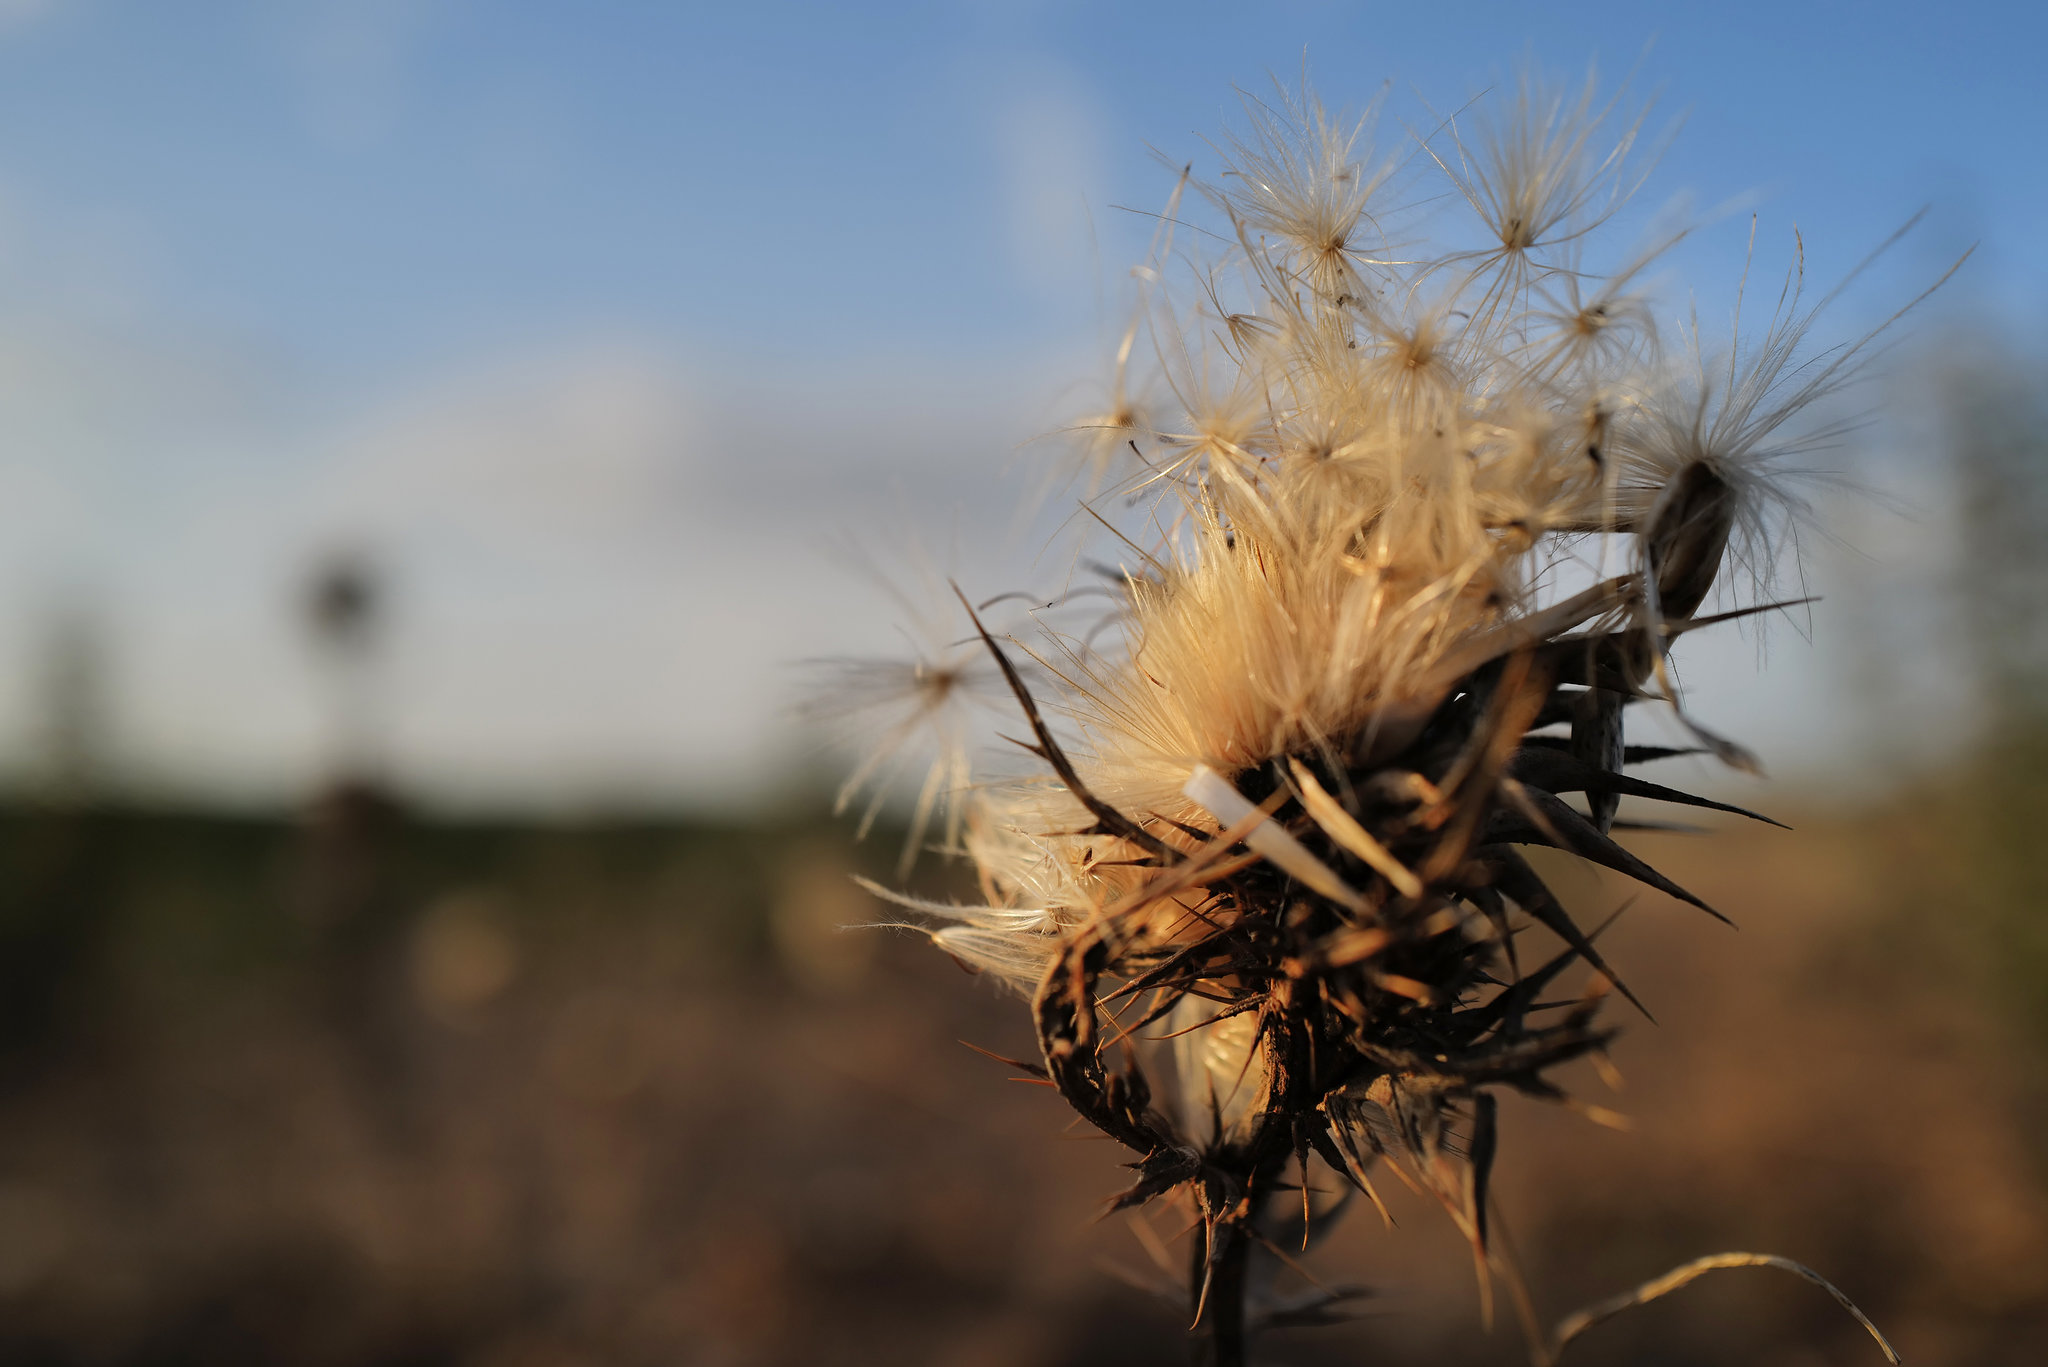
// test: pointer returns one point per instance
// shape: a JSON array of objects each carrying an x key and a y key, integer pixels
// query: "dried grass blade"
[{"x": 1572, "y": 1326}]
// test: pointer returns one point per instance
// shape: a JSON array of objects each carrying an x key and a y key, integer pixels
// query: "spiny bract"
[{"x": 1280, "y": 818}]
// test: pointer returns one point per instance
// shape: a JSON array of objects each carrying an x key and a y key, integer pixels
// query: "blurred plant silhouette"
[
  {"x": 1994, "y": 410},
  {"x": 344, "y": 609}
]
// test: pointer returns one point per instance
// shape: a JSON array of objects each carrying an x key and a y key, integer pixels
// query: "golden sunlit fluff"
[
  {"x": 909, "y": 711},
  {"x": 1402, "y": 534}
]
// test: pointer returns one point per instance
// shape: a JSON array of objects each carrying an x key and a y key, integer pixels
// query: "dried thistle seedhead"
[{"x": 1281, "y": 820}]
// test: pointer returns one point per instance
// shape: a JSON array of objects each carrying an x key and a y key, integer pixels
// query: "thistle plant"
[{"x": 1420, "y": 527}]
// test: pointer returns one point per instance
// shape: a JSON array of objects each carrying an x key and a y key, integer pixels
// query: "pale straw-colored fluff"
[
  {"x": 1380, "y": 451},
  {"x": 909, "y": 713}
]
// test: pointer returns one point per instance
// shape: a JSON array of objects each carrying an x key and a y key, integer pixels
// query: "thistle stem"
[{"x": 1220, "y": 1332}]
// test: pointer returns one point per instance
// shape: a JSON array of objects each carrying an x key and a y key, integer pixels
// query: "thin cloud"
[
  {"x": 352, "y": 60},
  {"x": 1049, "y": 151}
]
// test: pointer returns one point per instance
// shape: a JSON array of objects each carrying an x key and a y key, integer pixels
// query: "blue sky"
[
  {"x": 377, "y": 184},
  {"x": 602, "y": 322}
]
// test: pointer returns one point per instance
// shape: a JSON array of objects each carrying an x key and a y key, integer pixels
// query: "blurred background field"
[
  {"x": 363, "y": 1086},
  {"x": 432, "y": 436}
]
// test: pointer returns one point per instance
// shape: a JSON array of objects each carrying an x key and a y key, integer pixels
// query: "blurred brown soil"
[{"x": 592, "y": 1098}]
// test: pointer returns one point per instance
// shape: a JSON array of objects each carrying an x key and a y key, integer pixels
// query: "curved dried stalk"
[{"x": 1574, "y": 1325}]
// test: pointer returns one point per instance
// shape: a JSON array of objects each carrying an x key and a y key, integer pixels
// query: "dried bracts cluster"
[{"x": 1419, "y": 530}]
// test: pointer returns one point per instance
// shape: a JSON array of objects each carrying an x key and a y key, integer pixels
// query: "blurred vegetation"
[
  {"x": 1960, "y": 848},
  {"x": 104, "y": 902},
  {"x": 1997, "y": 418}
]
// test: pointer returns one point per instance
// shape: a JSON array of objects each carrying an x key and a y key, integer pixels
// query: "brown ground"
[{"x": 568, "y": 1102}]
